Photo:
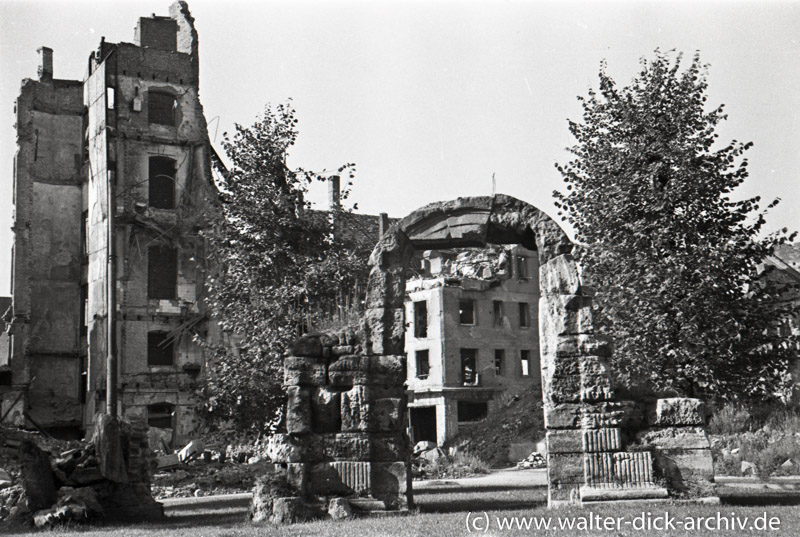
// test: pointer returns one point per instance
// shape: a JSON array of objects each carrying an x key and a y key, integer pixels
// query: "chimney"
[
  {"x": 45, "y": 63},
  {"x": 333, "y": 192},
  {"x": 383, "y": 225}
]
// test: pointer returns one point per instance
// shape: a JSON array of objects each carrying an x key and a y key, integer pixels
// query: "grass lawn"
[{"x": 442, "y": 512}]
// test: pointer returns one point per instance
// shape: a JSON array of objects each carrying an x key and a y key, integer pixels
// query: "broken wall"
[{"x": 46, "y": 272}]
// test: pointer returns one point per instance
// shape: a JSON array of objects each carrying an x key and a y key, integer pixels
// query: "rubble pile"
[
  {"x": 519, "y": 419},
  {"x": 534, "y": 460},
  {"x": 108, "y": 476},
  {"x": 201, "y": 478}
]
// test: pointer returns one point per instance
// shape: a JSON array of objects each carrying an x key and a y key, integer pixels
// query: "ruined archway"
[{"x": 347, "y": 408}]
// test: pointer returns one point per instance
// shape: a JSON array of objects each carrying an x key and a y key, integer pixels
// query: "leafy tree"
[
  {"x": 275, "y": 265},
  {"x": 674, "y": 258}
]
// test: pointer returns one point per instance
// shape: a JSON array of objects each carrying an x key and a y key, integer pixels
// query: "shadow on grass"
[{"x": 478, "y": 498}]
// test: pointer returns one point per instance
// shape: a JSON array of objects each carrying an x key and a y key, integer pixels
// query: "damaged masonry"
[{"x": 113, "y": 184}]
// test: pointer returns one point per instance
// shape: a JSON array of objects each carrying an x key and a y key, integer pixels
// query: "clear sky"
[{"x": 429, "y": 99}]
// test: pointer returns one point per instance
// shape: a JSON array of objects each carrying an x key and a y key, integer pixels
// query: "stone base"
[{"x": 593, "y": 494}]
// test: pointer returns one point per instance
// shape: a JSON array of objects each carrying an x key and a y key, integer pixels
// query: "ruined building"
[
  {"x": 112, "y": 185},
  {"x": 473, "y": 336}
]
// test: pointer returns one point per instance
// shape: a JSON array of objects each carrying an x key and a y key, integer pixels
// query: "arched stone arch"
[{"x": 346, "y": 409}]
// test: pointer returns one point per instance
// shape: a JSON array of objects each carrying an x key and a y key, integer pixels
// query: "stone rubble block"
[
  {"x": 339, "y": 508},
  {"x": 325, "y": 410},
  {"x": 565, "y": 441},
  {"x": 560, "y": 276},
  {"x": 303, "y": 371},
  {"x": 298, "y": 410},
  {"x": 563, "y": 494},
  {"x": 391, "y": 249},
  {"x": 594, "y": 390},
  {"x": 679, "y": 411},
  {"x": 355, "y": 409},
  {"x": 349, "y": 371}
]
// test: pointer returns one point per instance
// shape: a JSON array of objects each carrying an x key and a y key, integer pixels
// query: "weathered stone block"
[
  {"x": 387, "y": 370},
  {"x": 679, "y": 411},
  {"x": 297, "y": 477},
  {"x": 342, "y": 350},
  {"x": 565, "y": 468},
  {"x": 565, "y": 315},
  {"x": 608, "y": 414},
  {"x": 674, "y": 438},
  {"x": 37, "y": 476},
  {"x": 349, "y": 371},
  {"x": 308, "y": 345},
  {"x": 283, "y": 448},
  {"x": 581, "y": 345},
  {"x": 600, "y": 440},
  {"x": 687, "y": 470},
  {"x": 107, "y": 441},
  {"x": 564, "y": 441},
  {"x": 339, "y": 508},
  {"x": 559, "y": 276},
  {"x": 386, "y": 330},
  {"x": 340, "y": 478},
  {"x": 347, "y": 447},
  {"x": 561, "y": 416},
  {"x": 386, "y": 289},
  {"x": 564, "y": 389},
  {"x": 387, "y": 415},
  {"x": 355, "y": 409},
  {"x": 325, "y": 410},
  {"x": 390, "y": 483},
  {"x": 329, "y": 339},
  {"x": 303, "y": 371},
  {"x": 596, "y": 387},
  {"x": 298, "y": 410}
]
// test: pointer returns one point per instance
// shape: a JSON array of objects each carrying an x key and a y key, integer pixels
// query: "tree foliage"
[
  {"x": 275, "y": 264},
  {"x": 674, "y": 257}
]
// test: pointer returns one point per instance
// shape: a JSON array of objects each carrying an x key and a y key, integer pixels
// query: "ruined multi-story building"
[
  {"x": 112, "y": 185},
  {"x": 472, "y": 336}
]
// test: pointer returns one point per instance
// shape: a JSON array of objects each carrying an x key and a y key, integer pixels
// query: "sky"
[{"x": 430, "y": 99}]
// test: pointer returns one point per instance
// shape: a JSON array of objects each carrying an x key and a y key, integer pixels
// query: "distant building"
[{"x": 472, "y": 336}]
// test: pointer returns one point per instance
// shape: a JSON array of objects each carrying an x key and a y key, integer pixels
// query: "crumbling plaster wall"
[{"x": 47, "y": 258}]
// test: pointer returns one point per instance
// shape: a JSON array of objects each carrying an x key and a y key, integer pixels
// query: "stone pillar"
[{"x": 345, "y": 421}]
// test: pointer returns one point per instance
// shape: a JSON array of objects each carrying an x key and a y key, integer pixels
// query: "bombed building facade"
[
  {"x": 473, "y": 336},
  {"x": 112, "y": 186}
]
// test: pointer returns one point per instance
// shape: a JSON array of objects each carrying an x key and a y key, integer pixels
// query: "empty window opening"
[
  {"x": 110, "y": 98},
  {"x": 466, "y": 311},
  {"x": 161, "y": 108},
  {"x": 472, "y": 410},
  {"x": 497, "y": 309},
  {"x": 423, "y": 364},
  {"x": 160, "y": 351},
  {"x": 162, "y": 183},
  {"x": 421, "y": 319},
  {"x": 160, "y": 415},
  {"x": 469, "y": 371},
  {"x": 162, "y": 272},
  {"x": 522, "y": 267},
  {"x": 423, "y": 424},
  {"x": 499, "y": 358},
  {"x": 524, "y": 315},
  {"x": 525, "y": 362}
]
